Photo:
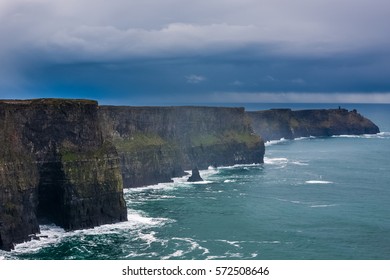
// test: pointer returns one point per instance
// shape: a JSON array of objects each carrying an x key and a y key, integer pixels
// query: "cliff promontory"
[
  {"x": 284, "y": 123},
  {"x": 55, "y": 166},
  {"x": 156, "y": 144}
]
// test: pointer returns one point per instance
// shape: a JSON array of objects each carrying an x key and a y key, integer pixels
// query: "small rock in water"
[{"x": 195, "y": 177}]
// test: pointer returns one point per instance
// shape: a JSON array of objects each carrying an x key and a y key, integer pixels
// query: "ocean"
[{"x": 320, "y": 198}]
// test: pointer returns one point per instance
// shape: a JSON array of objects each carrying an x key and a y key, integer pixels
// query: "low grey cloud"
[
  {"x": 294, "y": 97},
  {"x": 194, "y": 79},
  {"x": 117, "y": 29},
  {"x": 120, "y": 45}
]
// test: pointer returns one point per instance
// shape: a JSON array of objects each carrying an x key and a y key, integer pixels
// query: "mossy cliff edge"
[
  {"x": 284, "y": 123},
  {"x": 156, "y": 144},
  {"x": 55, "y": 166}
]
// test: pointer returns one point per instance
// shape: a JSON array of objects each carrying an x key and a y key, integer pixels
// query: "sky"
[{"x": 144, "y": 52}]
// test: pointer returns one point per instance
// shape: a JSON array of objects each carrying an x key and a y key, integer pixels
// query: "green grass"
[
  {"x": 91, "y": 170},
  {"x": 138, "y": 142},
  {"x": 68, "y": 152},
  {"x": 226, "y": 138}
]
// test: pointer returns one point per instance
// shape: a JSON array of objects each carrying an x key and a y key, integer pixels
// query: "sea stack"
[{"x": 195, "y": 177}]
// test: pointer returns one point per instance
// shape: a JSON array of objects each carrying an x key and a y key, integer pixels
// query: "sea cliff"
[
  {"x": 67, "y": 161},
  {"x": 55, "y": 166},
  {"x": 158, "y": 143},
  {"x": 285, "y": 123}
]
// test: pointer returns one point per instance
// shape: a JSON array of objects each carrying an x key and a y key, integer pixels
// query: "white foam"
[
  {"x": 233, "y": 243},
  {"x": 178, "y": 253},
  {"x": 275, "y": 161},
  {"x": 234, "y": 255},
  {"x": 271, "y": 242},
  {"x": 299, "y": 163},
  {"x": 199, "y": 183},
  {"x": 167, "y": 196},
  {"x": 195, "y": 245},
  {"x": 347, "y": 136},
  {"x": 137, "y": 255},
  {"x": 380, "y": 135},
  {"x": 160, "y": 186},
  {"x": 177, "y": 182},
  {"x": 229, "y": 181},
  {"x": 138, "y": 218},
  {"x": 52, "y": 234},
  {"x": 242, "y": 166},
  {"x": 318, "y": 182},
  {"x": 274, "y": 142},
  {"x": 304, "y": 138},
  {"x": 215, "y": 257},
  {"x": 149, "y": 238},
  {"x": 236, "y": 243},
  {"x": 323, "y": 205},
  {"x": 296, "y": 202}
]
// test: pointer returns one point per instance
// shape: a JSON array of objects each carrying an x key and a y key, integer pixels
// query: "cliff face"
[
  {"x": 63, "y": 160},
  {"x": 285, "y": 123},
  {"x": 18, "y": 181},
  {"x": 66, "y": 161},
  {"x": 56, "y": 166},
  {"x": 158, "y": 143}
]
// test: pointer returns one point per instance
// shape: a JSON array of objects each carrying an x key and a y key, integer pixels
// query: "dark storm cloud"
[{"x": 194, "y": 50}]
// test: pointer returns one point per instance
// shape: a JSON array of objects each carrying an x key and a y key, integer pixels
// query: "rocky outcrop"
[
  {"x": 195, "y": 176},
  {"x": 156, "y": 144},
  {"x": 284, "y": 123},
  {"x": 56, "y": 166}
]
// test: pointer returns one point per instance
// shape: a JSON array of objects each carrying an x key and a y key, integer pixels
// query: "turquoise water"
[{"x": 313, "y": 198}]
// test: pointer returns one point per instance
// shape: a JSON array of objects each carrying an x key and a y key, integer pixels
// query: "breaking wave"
[{"x": 318, "y": 182}]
